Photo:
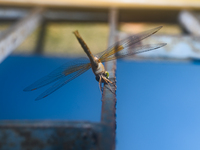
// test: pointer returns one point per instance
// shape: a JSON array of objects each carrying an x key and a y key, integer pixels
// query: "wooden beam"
[{"x": 180, "y": 4}]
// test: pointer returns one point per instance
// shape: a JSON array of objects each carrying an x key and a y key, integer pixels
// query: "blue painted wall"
[{"x": 158, "y": 103}]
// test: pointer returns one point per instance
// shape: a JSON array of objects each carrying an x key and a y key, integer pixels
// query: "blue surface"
[{"x": 158, "y": 104}]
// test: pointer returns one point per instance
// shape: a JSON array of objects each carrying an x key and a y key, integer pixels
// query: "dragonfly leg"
[
  {"x": 114, "y": 84},
  {"x": 100, "y": 87},
  {"x": 107, "y": 82},
  {"x": 110, "y": 82}
]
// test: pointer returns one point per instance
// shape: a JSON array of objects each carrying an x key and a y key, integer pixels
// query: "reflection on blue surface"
[{"x": 158, "y": 104}]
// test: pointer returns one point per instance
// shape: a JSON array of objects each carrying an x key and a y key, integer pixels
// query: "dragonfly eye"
[{"x": 107, "y": 74}]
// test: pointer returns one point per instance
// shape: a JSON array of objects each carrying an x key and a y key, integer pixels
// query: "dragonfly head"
[{"x": 105, "y": 74}]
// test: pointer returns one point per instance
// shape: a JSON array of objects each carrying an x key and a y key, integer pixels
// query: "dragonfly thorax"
[{"x": 99, "y": 70}]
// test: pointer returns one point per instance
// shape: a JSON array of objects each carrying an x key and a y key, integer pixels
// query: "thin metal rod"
[{"x": 108, "y": 113}]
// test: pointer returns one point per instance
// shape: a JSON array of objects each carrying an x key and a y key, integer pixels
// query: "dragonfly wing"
[
  {"x": 137, "y": 49},
  {"x": 64, "y": 81},
  {"x": 59, "y": 73},
  {"x": 130, "y": 41}
]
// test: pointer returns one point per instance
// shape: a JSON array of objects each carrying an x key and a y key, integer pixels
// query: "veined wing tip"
[
  {"x": 158, "y": 28},
  {"x": 34, "y": 89},
  {"x": 154, "y": 30},
  {"x": 39, "y": 97},
  {"x": 28, "y": 89},
  {"x": 163, "y": 44}
]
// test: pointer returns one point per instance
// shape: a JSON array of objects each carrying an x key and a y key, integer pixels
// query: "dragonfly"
[{"x": 69, "y": 71}]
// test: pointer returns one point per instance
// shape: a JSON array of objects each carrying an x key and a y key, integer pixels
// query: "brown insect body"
[
  {"x": 100, "y": 68},
  {"x": 97, "y": 67}
]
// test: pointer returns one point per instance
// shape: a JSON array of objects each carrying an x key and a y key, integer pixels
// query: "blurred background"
[{"x": 158, "y": 93}]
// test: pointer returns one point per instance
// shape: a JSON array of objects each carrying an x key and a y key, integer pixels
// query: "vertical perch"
[{"x": 108, "y": 112}]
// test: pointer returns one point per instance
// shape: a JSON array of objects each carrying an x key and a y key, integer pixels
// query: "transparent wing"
[
  {"x": 98, "y": 55},
  {"x": 128, "y": 42},
  {"x": 64, "y": 81},
  {"x": 59, "y": 73},
  {"x": 138, "y": 49}
]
